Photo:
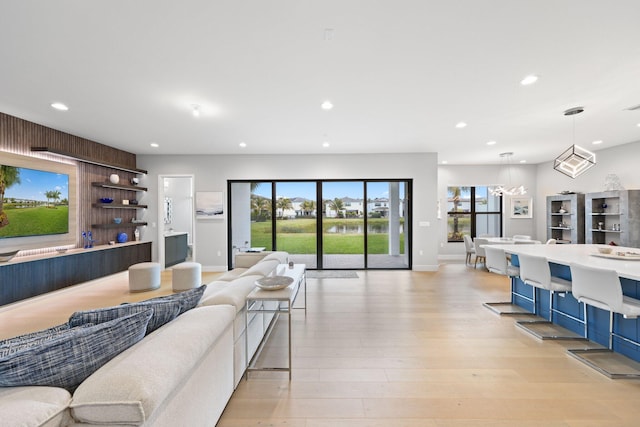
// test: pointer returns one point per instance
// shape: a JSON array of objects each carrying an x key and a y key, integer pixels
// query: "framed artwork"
[
  {"x": 209, "y": 205},
  {"x": 521, "y": 207}
]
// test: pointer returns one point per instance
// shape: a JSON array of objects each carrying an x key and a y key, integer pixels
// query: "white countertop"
[
  {"x": 583, "y": 254},
  {"x": 174, "y": 233}
]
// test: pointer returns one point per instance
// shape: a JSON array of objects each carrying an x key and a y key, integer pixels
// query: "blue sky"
[
  {"x": 34, "y": 183},
  {"x": 330, "y": 190}
]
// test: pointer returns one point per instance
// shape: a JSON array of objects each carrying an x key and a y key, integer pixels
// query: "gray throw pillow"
[{"x": 68, "y": 359}]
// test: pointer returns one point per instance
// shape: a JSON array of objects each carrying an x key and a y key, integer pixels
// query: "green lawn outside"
[
  {"x": 36, "y": 221},
  {"x": 298, "y": 236}
]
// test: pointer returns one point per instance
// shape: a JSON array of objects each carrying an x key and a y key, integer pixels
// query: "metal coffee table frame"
[{"x": 286, "y": 298}]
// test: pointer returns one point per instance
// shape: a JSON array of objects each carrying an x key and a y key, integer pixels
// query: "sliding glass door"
[
  {"x": 296, "y": 221},
  {"x": 343, "y": 224},
  {"x": 387, "y": 245},
  {"x": 355, "y": 224}
]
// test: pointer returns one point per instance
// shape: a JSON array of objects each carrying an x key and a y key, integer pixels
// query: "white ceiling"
[{"x": 401, "y": 74}]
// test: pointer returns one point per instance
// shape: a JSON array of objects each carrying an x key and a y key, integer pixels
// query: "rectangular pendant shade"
[{"x": 574, "y": 161}]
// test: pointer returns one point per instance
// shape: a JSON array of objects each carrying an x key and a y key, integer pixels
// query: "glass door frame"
[{"x": 408, "y": 214}]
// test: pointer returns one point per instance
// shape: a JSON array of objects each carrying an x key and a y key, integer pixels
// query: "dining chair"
[
  {"x": 479, "y": 244},
  {"x": 521, "y": 237},
  {"x": 469, "y": 248}
]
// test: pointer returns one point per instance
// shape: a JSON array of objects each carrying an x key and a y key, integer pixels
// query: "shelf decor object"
[{"x": 575, "y": 160}]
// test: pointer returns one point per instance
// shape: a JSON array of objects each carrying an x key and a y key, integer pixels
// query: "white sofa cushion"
[
  {"x": 33, "y": 406},
  {"x": 263, "y": 268},
  {"x": 235, "y": 294},
  {"x": 232, "y": 274},
  {"x": 280, "y": 256},
  {"x": 129, "y": 388}
]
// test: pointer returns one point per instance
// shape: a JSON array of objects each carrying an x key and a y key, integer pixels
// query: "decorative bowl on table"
[
  {"x": 273, "y": 283},
  {"x": 605, "y": 249},
  {"x": 6, "y": 256},
  {"x": 106, "y": 200}
]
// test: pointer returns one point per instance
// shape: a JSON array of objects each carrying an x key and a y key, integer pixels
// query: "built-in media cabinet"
[
  {"x": 565, "y": 218},
  {"x": 613, "y": 216},
  {"x": 28, "y": 276}
]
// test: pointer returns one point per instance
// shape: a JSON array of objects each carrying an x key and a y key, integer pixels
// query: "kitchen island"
[{"x": 560, "y": 258}]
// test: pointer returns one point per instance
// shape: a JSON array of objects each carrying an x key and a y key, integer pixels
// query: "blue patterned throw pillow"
[
  {"x": 43, "y": 334},
  {"x": 187, "y": 299},
  {"x": 65, "y": 361},
  {"x": 15, "y": 344},
  {"x": 163, "y": 312}
]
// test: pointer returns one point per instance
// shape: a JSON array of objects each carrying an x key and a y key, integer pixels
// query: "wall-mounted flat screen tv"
[{"x": 33, "y": 202}]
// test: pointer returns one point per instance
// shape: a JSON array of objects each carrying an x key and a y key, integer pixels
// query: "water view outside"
[{"x": 342, "y": 212}]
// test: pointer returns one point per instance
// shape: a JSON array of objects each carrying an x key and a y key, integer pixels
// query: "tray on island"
[
  {"x": 627, "y": 256},
  {"x": 273, "y": 283}
]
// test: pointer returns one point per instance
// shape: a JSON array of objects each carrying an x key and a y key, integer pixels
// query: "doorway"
[{"x": 176, "y": 237}]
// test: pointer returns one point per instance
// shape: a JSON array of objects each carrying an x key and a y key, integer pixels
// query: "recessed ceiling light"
[
  {"x": 598, "y": 142},
  {"x": 326, "y": 144},
  {"x": 444, "y": 162},
  {"x": 59, "y": 106},
  {"x": 154, "y": 144},
  {"x": 243, "y": 144},
  {"x": 529, "y": 80},
  {"x": 491, "y": 143},
  {"x": 523, "y": 161},
  {"x": 638, "y": 125},
  {"x": 195, "y": 110},
  {"x": 461, "y": 125},
  {"x": 327, "y": 105}
]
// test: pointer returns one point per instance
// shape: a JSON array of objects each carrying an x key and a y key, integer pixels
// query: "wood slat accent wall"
[{"x": 18, "y": 136}]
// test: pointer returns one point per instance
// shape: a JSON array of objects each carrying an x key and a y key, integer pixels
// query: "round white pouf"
[
  {"x": 186, "y": 275},
  {"x": 144, "y": 276}
]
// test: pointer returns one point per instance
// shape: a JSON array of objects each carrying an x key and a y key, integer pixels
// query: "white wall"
[
  {"x": 622, "y": 160},
  {"x": 212, "y": 173},
  {"x": 468, "y": 175}
]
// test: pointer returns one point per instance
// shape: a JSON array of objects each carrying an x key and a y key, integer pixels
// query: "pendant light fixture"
[
  {"x": 575, "y": 160},
  {"x": 509, "y": 189}
]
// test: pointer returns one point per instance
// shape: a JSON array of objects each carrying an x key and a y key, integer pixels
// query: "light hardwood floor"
[{"x": 398, "y": 348}]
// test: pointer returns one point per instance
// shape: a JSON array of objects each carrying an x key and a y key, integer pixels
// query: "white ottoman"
[
  {"x": 186, "y": 275},
  {"x": 144, "y": 277}
]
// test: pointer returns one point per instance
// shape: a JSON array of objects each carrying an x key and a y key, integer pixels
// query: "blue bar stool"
[
  {"x": 535, "y": 272},
  {"x": 496, "y": 262},
  {"x": 601, "y": 288}
]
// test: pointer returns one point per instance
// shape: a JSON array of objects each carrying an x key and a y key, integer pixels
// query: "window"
[{"x": 472, "y": 211}]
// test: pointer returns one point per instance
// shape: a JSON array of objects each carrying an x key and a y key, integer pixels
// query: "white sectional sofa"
[
  {"x": 181, "y": 374},
  {"x": 232, "y": 288}
]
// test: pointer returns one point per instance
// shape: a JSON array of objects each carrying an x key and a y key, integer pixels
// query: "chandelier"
[
  {"x": 508, "y": 190},
  {"x": 574, "y": 160}
]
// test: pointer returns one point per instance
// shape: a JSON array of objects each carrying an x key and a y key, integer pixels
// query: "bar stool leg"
[
  {"x": 611, "y": 330},
  {"x": 586, "y": 323}
]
